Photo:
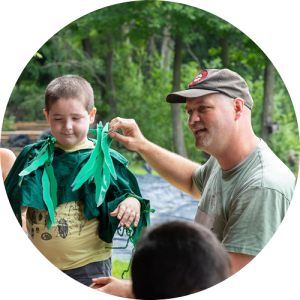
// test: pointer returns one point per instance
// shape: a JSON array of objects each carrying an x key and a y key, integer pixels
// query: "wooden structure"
[{"x": 33, "y": 129}]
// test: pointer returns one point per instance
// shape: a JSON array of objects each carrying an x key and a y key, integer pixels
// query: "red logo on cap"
[{"x": 199, "y": 77}]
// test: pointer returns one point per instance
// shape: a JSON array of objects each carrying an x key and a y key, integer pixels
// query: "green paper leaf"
[{"x": 47, "y": 197}]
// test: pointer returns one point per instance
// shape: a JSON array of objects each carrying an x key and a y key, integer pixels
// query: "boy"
[
  {"x": 78, "y": 238},
  {"x": 171, "y": 260}
]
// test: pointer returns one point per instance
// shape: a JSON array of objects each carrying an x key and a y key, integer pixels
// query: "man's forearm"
[{"x": 174, "y": 168}]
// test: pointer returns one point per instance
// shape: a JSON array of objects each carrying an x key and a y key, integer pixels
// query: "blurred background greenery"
[{"x": 135, "y": 53}]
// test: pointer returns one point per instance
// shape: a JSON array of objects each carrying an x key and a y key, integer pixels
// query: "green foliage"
[
  {"x": 256, "y": 89},
  {"x": 141, "y": 83},
  {"x": 118, "y": 266},
  {"x": 8, "y": 124},
  {"x": 285, "y": 143}
]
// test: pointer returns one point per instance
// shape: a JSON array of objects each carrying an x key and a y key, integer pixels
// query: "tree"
[{"x": 267, "y": 114}]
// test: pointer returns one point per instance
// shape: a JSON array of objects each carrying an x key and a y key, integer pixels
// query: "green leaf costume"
[{"x": 44, "y": 177}]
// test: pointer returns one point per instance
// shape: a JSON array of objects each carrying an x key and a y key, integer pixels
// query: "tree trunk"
[
  {"x": 225, "y": 51},
  {"x": 267, "y": 114},
  {"x": 87, "y": 47},
  {"x": 178, "y": 138},
  {"x": 109, "y": 80},
  {"x": 166, "y": 49},
  {"x": 150, "y": 52},
  {"x": 126, "y": 42}
]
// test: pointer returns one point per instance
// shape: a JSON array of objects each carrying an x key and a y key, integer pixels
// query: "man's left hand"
[
  {"x": 113, "y": 286},
  {"x": 127, "y": 211}
]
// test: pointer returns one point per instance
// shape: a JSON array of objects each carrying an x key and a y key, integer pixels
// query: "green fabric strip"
[
  {"x": 47, "y": 198},
  {"x": 105, "y": 143},
  {"x": 99, "y": 166},
  {"x": 49, "y": 184},
  {"x": 36, "y": 164},
  {"x": 89, "y": 168}
]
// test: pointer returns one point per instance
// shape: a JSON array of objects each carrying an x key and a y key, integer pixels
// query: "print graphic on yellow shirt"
[{"x": 71, "y": 243}]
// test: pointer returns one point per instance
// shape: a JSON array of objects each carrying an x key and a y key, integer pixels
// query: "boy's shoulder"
[
  {"x": 117, "y": 156},
  {"x": 21, "y": 161}
]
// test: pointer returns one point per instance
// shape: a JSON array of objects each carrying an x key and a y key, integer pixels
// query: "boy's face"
[{"x": 69, "y": 122}]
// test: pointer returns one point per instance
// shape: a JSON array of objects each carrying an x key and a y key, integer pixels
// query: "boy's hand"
[{"x": 128, "y": 210}]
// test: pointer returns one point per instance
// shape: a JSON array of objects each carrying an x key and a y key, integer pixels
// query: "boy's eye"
[
  {"x": 57, "y": 119},
  {"x": 76, "y": 119}
]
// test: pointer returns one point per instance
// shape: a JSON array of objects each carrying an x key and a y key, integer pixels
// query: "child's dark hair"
[
  {"x": 176, "y": 259},
  {"x": 69, "y": 87}
]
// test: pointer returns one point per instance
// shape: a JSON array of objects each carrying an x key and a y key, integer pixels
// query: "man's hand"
[
  {"x": 172, "y": 167},
  {"x": 132, "y": 137},
  {"x": 129, "y": 209},
  {"x": 113, "y": 286}
]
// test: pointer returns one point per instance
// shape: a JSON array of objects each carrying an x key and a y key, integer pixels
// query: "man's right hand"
[
  {"x": 132, "y": 137},
  {"x": 175, "y": 169}
]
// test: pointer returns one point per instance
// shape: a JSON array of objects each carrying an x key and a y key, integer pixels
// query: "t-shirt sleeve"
[
  {"x": 201, "y": 174},
  {"x": 253, "y": 219}
]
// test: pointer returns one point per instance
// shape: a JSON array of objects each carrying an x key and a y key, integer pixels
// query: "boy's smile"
[{"x": 69, "y": 122}]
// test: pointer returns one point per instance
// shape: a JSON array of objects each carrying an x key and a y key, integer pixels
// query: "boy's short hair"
[
  {"x": 69, "y": 87},
  {"x": 176, "y": 259}
]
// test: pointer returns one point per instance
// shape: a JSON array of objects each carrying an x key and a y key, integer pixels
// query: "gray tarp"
[{"x": 169, "y": 204}]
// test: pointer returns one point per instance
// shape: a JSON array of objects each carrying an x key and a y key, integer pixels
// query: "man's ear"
[
  {"x": 238, "y": 105},
  {"x": 47, "y": 116},
  {"x": 92, "y": 115}
]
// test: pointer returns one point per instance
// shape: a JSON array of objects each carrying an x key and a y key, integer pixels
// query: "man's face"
[
  {"x": 69, "y": 122},
  {"x": 210, "y": 119}
]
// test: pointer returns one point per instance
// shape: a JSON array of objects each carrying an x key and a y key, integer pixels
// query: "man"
[{"x": 245, "y": 189}]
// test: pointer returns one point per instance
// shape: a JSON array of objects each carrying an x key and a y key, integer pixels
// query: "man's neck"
[{"x": 237, "y": 152}]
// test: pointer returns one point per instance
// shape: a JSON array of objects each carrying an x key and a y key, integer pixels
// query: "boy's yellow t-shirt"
[{"x": 73, "y": 241}]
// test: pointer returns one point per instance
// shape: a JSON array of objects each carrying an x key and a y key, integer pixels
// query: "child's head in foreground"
[
  {"x": 69, "y": 108},
  {"x": 177, "y": 259}
]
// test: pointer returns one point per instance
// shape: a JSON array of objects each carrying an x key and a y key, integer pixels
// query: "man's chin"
[{"x": 201, "y": 146}]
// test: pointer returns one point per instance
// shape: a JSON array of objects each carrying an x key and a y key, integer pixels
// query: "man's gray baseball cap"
[{"x": 212, "y": 81}]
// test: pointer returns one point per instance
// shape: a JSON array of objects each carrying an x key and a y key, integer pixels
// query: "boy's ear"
[
  {"x": 47, "y": 116},
  {"x": 92, "y": 115}
]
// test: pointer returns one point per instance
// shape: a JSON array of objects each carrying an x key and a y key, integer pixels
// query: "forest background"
[{"x": 135, "y": 53}]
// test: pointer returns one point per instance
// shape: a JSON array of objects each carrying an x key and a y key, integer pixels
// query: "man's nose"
[{"x": 193, "y": 117}]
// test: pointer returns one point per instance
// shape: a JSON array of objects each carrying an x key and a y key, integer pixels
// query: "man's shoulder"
[
  {"x": 202, "y": 174},
  {"x": 272, "y": 173}
]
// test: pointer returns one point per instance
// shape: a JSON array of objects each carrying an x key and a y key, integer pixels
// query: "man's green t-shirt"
[{"x": 244, "y": 206}]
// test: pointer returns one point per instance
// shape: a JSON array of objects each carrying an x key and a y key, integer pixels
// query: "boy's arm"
[
  {"x": 129, "y": 203},
  {"x": 125, "y": 187}
]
